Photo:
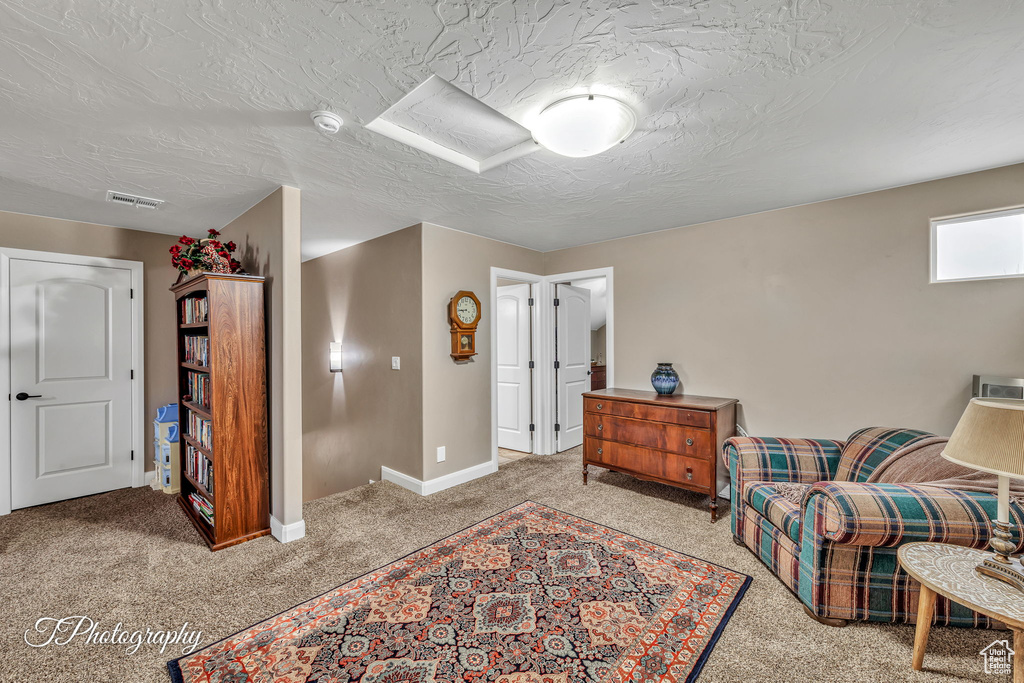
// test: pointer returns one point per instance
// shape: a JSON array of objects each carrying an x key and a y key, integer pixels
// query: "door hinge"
[
  {"x": 531, "y": 365},
  {"x": 131, "y": 293},
  {"x": 133, "y": 374},
  {"x": 556, "y": 365},
  {"x": 533, "y": 427},
  {"x": 558, "y": 427},
  {"x": 531, "y": 301},
  {"x": 556, "y": 302},
  {"x": 133, "y": 455}
]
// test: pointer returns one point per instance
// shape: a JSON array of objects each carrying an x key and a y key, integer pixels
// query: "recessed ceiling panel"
[{"x": 440, "y": 119}]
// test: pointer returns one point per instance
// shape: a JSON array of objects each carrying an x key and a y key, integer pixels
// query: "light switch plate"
[{"x": 396, "y": 363}]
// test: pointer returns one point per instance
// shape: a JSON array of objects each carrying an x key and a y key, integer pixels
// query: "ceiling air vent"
[{"x": 133, "y": 200}]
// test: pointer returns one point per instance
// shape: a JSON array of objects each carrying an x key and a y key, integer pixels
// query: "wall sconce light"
[{"x": 335, "y": 356}]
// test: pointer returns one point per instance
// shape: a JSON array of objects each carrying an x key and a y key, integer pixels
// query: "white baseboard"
[
  {"x": 425, "y": 488},
  {"x": 150, "y": 478},
  {"x": 286, "y": 533}
]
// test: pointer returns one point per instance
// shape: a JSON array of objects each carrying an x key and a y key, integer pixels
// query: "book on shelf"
[
  {"x": 200, "y": 430},
  {"x": 195, "y": 310},
  {"x": 202, "y": 506},
  {"x": 197, "y": 349},
  {"x": 198, "y": 384},
  {"x": 199, "y": 467}
]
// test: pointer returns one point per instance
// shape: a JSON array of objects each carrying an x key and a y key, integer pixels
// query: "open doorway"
[{"x": 552, "y": 341}]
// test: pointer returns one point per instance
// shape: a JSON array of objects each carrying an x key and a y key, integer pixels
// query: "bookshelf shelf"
[
  {"x": 231, "y": 340},
  {"x": 199, "y": 487},
  {"x": 198, "y": 446},
  {"x": 198, "y": 410}
]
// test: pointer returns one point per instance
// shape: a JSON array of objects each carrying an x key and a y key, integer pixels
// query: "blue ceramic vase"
[{"x": 665, "y": 379}]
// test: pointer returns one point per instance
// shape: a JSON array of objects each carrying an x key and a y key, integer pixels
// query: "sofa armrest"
[
  {"x": 802, "y": 461},
  {"x": 888, "y": 515}
]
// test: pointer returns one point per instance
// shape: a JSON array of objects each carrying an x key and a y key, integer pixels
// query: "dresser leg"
[
  {"x": 714, "y": 509},
  {"x": 584, "y": 474}
]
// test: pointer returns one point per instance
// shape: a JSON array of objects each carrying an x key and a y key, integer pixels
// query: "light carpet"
[{"x": 130, "y": 557}]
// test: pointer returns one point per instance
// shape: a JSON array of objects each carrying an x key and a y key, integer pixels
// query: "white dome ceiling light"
[
  {"x": 584, "y": 125},
  {"x": 327, "y": 122}
]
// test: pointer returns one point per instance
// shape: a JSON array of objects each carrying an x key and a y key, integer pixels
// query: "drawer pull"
[
  {"x": 689, "y": 442},
  {"x": 600, "y": 451},
  {"x": 600, "y": 428},
  {"x": 689, "y": 474},
  {"x": 600, "y": 405}
]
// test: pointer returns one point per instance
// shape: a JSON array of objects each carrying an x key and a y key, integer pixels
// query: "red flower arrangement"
[{"x": 208, "y": 254}]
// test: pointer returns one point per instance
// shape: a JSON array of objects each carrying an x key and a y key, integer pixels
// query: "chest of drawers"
[{"x": 673, "y": 439}]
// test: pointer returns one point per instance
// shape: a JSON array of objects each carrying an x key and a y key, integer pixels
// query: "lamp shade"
[{"x": 990, "y": 437}]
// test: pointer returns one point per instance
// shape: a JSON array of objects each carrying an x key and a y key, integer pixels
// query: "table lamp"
[{"x": 990, "y": 438}]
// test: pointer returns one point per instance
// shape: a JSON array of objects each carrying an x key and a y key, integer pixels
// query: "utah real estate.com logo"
[{"x": 998, "y": 658}]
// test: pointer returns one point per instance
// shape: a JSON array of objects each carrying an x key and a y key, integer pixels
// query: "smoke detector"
[
  {"x": 135, "y": 200},
  {"x": 327, "y": 122}
]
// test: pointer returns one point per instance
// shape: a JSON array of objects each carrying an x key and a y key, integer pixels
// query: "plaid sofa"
[{"x": 804, "y": 508}]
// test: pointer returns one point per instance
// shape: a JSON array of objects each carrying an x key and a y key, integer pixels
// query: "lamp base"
[
  {"x": 1011, "y": 572},
  {"x": 1002, "y": 566}
]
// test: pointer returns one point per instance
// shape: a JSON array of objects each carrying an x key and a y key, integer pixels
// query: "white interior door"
[
  {"x": 572, "y": 355},
  {"x": 515, "y": 404},
  {"x": 71, "y": 364}
]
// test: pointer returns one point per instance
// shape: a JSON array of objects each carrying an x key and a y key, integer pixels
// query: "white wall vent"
[{"x": 133, "y": 200}]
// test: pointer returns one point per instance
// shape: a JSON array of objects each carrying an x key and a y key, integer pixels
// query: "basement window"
[{"x": 981, "y": 246}]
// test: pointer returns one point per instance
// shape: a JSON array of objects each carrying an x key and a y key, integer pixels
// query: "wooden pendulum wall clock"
[{"x": 464, "y": 314}]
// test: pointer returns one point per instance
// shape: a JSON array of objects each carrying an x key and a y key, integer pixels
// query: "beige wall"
[
  {"x": 457, "y": 396},
  {"x": 819, "y": 318},
  {"x": 269, "y": 236},
  {"x": 389, "y": 297},
  {"x": 19, "y": 231},
  {"x": 367, "y": 297}
]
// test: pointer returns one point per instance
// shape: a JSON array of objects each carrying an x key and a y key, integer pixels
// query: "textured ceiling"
[{"x": 743, "y": 107}]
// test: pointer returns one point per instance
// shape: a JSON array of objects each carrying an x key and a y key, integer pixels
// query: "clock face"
[{"x": 466, "y": 310}]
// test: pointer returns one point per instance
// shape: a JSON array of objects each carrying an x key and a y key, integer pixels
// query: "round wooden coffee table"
[{"x": 948, "y": 570}]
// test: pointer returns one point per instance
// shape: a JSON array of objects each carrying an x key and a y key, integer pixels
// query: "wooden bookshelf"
[{"x": 236, "y": 406}]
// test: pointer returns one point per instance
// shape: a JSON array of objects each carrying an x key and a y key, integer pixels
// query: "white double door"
[
  {"x": 572, "y": 356},
  {"x": 514, "y": 375},
  {"x": 71, "y": 380}
]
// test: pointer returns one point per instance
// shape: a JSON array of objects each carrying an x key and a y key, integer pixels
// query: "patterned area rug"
[{"x": 531, "y": 595}]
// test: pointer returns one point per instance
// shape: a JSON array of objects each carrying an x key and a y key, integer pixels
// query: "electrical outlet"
[
  {"x": 440, "y": 453},
  {"x": 396, "y": 363}
]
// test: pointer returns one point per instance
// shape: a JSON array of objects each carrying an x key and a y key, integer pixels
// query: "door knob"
[{"x": 22, "y": 396}]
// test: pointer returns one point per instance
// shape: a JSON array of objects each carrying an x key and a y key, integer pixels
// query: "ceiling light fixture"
[
  {"x": 327, "y": 122},
  {"x": 584, "y": 125}
]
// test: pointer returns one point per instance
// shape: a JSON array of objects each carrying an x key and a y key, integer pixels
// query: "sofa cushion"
[
  {"x": 866, "y": 449},
  {"x": 777, "y": 550},
  {"x": 775, "y": 506}
]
